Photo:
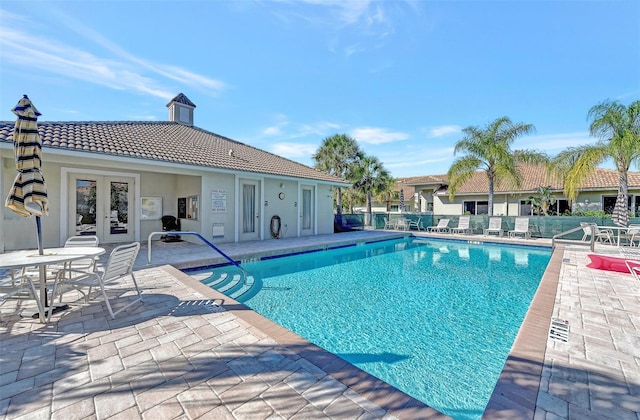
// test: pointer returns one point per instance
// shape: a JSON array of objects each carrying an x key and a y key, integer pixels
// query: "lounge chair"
[
  {"x": 521, "y": 228},
  {"x": 415, "y": 224},
  {"x": 601, "y": 235},
  {"x": 442, "y": 226},
  {"x": 495, "y": 226},
  {"x": 463, "y": 225},
  {"x": 388, "y": 224}
]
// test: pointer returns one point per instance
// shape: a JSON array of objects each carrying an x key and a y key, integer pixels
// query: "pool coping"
[{"x": 516, "y": 391}]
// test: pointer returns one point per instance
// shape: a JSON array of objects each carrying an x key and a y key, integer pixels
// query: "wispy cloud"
[
  {"x": 551, "y": 143},
  {"x": 116, "y": 69},
  {"x": 444, "y": 130},
  {"x": 373, "y": 135},
  {"x": 294, "y": 150}
]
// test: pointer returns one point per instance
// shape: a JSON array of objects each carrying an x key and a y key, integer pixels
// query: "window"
[
  {"x": 469, "y": 207},
  {"x": 525, "y": 208},
  {"x": 475, "y": 207},
  {"x": 609, "y": 202}
]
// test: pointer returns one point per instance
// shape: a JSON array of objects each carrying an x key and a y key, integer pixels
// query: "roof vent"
[
  {"x": 231, "y": 152},
  {"x": 181, "y": 110}
]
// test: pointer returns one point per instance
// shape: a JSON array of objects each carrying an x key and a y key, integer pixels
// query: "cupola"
[{"x": 181, "y": 110}]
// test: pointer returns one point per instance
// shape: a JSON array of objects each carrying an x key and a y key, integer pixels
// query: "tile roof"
[
  {"x": 534, "y": 176},
  {"x": 165, "y": 142}
]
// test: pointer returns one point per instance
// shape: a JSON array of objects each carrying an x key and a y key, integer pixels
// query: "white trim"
[{"x": 64, "y": 193}]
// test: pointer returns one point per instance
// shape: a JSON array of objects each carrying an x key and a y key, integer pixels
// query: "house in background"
[
  {"x": 117, "y": 179},
  {"x": 392, "y": 203},
  {"x": 598, "y": 193}
]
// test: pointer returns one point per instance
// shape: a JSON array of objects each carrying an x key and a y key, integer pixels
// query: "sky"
[{"x": 401, "y": 77}]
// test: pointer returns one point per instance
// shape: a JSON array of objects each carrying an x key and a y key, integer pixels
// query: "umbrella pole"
[{"x": 39, "y": 232}]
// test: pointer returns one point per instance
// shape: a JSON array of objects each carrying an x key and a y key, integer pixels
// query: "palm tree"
[
  {"x": 618, "y": 128},
  {"x": 334, "y": 156},
  {"x": 369, "y": 177},
  {"x": 489, "y": 149}
]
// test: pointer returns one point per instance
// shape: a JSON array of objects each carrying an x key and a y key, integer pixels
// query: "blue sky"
[{"x": 401, "y": 77}]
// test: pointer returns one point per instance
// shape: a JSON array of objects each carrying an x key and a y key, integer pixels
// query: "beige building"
[
  {"x": 598, "y": 193},
  {"x": 117, "y": 179}
]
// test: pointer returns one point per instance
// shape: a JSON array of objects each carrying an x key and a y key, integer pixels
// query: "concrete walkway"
[{"x": 190, "y": 352}]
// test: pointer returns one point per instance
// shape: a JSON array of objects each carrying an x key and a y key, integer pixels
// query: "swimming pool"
[{"x": 434, "y": 318}]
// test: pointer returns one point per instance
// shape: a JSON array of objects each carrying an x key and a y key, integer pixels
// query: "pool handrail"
[
  {"x": 592, "y": 240},
  {"x": 215, "y": 248}
]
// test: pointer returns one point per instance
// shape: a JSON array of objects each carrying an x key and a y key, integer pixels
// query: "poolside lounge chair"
[
  {"x": 495, "y": 226},
  {"x": 601, "y": 235},
  {"x": 521, "y": 228},
  {"x": 442, "y": 226},
  {"x": 463, "y": 225},
  {"x": 388, "y": 224}
]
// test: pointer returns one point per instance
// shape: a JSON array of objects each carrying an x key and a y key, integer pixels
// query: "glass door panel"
[{"x": 85, "y": 211}]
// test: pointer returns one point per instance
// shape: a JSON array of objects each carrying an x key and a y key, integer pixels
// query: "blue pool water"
[{"x": 436, "y": 319}]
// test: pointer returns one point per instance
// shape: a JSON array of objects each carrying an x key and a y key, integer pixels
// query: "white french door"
[
  {"x": 103, "y": 206},
  {"x": 249, "y": 210}
]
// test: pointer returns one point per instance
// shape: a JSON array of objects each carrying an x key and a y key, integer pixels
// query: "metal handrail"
[
  {"x": 215, "y": 248},
  {"x": 592, "y": 241}
]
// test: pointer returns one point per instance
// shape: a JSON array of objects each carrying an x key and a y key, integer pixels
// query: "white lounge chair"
[
  {"x": 463, "y": 225},
  {"x": 119, "y": 265},
  {"x": 521, "y": 228},
  {"x": 442, "y": 226},
  {"x": 495, "y": 226}
]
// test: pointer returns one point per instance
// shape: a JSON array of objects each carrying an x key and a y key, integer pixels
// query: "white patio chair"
[
  {"x": 495, "y": 226},
  {"x": 402, "y": 224},
  {"x": 415, "y": 224},
  {"x": 442, "y": 226},
  {"x": 463, "y": 225},
  {"x": 388, "y": 224},
  {"x": 19, "y": 287},
  {"x": 119, "y": 266},
  {"x": 632, "y": 235},
  {"x": 521, "y": 228},
  {"x": 601, "y": 235}
]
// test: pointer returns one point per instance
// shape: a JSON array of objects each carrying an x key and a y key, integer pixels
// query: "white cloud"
[
  {"x": 373, "y": 135},
  {"x": 293, "y": 150},
  {"x": 117, "y": 70},
  {"x": 444, "y": 130}
]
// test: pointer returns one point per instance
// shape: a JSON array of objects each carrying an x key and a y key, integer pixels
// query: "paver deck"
[{"x": 191, "y": 352}]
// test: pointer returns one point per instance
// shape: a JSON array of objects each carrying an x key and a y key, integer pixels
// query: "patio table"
[{"x": 31, "y": 257}]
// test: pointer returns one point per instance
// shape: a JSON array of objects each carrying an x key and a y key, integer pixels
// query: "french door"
[
  {"x": 102, "y": 206},
  {"x": 249, "y": 210}
]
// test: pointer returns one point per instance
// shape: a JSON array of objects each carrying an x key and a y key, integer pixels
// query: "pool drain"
[{"x": 559, "y": 330}]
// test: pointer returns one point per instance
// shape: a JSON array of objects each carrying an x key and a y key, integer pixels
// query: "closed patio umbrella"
[
  {"x": 401, "y": 200},
  {"x": 620, "y": 216},
  {"x": 28, "y": 195}
]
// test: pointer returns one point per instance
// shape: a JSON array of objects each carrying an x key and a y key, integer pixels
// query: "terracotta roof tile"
[
  {"x": 168, "y": 142},
  {"x": 534, "y": 176}
]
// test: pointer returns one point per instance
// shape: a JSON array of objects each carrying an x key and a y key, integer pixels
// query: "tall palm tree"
[
  {"x": 370, "y": 177},
  {"x": 489, "y": 149},
  {"x": 334, "y": 156},
  {"x": 618, "y": 128}
]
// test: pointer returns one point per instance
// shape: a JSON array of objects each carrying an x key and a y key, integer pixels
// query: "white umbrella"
[{"x": 28, "y": 195}]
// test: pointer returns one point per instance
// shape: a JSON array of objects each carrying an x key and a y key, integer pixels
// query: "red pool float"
[{"x": 606, "y": 262}]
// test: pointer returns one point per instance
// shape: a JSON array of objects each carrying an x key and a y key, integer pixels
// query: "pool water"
[{"x": 436, "y": 319}]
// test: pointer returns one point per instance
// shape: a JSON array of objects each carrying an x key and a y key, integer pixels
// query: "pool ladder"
[{"x": 215, "y": 248}]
